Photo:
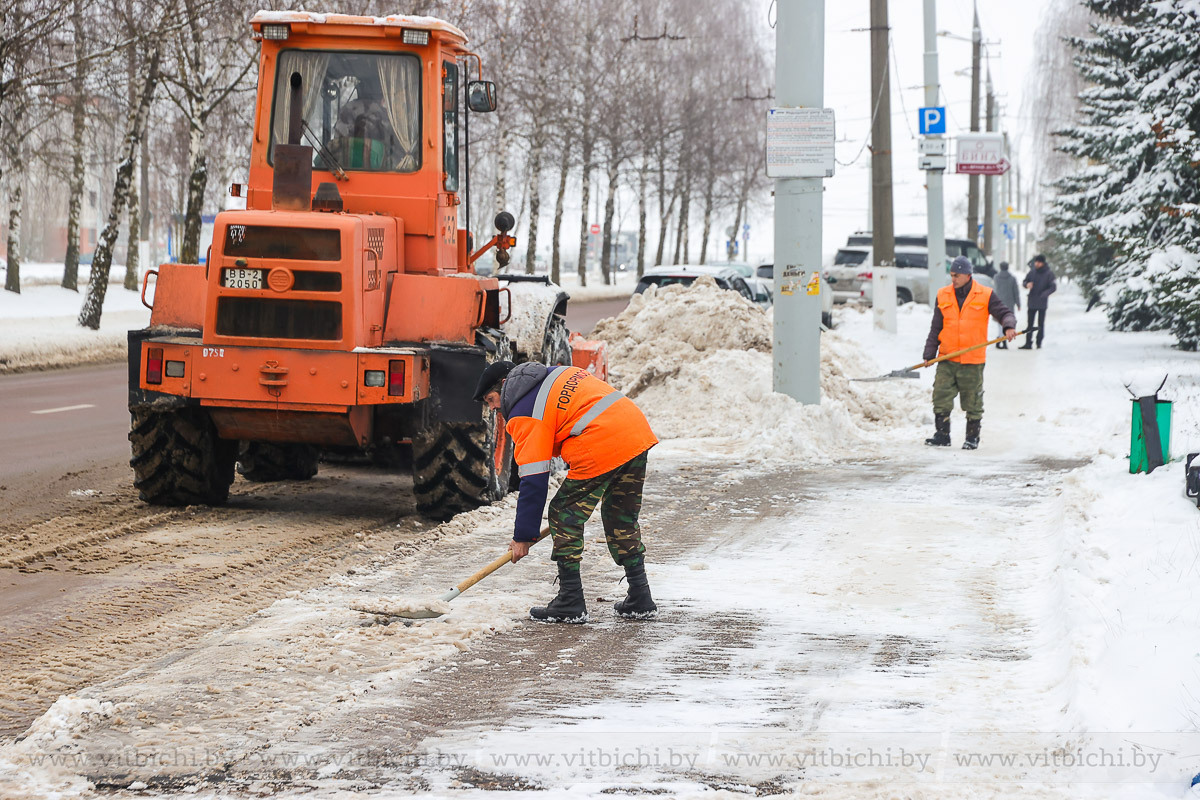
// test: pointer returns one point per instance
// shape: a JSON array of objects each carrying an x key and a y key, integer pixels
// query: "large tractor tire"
[
  {"x": 263, "y": 462},
  {"x": 178, "y": 459},
  {"x": 556, "y": 347},
  {"x": 461, "y": 466}
]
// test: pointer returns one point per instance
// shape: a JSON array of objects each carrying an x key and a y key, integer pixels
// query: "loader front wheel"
[
  {"x": 461, "y": 466},
  {"x": 178, "y": 459},
  {"x": 556, "y": 345},
  {"x": 262, "y": 462}
]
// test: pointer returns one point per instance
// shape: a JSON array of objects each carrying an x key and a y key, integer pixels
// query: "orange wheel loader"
[{"x": 340, "y": 312}]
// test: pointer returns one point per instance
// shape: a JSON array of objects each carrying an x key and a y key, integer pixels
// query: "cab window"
[
  {"x": 362, "y": 111},
  {"x": 450, "y": 124}
]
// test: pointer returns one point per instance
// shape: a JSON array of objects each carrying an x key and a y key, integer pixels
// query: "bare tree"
[
  {"x": 211, "y": 59},
  {"x": 89, "y": 316}
]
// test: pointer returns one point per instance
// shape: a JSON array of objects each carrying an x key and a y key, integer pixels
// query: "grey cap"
[
  {"x": 491, "y": 377},
  {"x": 961, "y": 265}
]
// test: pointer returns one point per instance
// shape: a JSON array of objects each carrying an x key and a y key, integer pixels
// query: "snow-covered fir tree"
[{"x": 1125, "y": 223}]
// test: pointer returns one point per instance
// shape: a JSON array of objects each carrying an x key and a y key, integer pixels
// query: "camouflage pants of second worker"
[
  {"x": 619, "y": 495},
  {"x": 963, "y": 380}
]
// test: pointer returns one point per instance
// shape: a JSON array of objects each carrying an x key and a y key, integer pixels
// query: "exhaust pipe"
[{"x": 291, "y": 189}]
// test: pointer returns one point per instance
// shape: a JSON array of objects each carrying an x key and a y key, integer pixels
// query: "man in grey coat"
[
  {"x": 1041, "y": 284},
  {"x": 1008, "y": 293}
]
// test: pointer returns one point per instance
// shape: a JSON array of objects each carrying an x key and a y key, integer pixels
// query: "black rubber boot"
[
  {"x": 1001, "y": 345},
  {"x": 638, "y": 604},
  {"x": 568, "y": 605},
  {"x": 1026, "y": 346},
  {"x": 941, "y": 435},
  {"x": 972, "y": 440}
]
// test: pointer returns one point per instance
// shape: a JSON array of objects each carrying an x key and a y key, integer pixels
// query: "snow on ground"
[
  {"x": 39, "y": 327},
  {"x": 860, "y": 615}
]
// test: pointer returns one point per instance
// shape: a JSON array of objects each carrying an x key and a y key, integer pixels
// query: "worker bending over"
[{"x": 566, "y": 412}]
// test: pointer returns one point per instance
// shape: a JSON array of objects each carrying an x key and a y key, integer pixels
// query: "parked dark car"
[{"x": 685, "y": 274}]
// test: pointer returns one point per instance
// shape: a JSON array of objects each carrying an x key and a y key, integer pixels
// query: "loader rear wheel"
[
  {"x": 262, "y": 462},
  {"x": 461, "y": 466},
  {"x": 178, "y": 459}
]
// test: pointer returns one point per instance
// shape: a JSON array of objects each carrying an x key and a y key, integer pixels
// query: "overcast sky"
[{"x": 1008, "y": 28}]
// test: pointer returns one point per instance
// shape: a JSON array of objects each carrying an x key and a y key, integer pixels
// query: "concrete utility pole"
[
  {"x": 882, "y": 233},
  {"x": 935, "y": 216},
  {"x": 799, "y": 83},
  {"x": 973, "y": 181},
  {"x": 989, "y": 182},
  {"x": 1008, "y": 206}
]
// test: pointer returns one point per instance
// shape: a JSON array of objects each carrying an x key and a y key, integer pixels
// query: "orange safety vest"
[
  {"x": 966, "y": 326},
  {"x": 592, "y": 426}
]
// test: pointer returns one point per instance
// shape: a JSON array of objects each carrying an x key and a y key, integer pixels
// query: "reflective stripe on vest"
[
  {"x": 526, "y": 470},
  {"x": 543, "y": 395},
  {"x": 599, "y": 408}
]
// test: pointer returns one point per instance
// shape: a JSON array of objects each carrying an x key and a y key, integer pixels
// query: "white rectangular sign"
[
  {"x": 980, "y": 149},
  {"x": 800, "y": 142}
]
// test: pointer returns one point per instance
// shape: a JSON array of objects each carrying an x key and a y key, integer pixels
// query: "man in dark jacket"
[
  {"x": 961, "y": 321},
  {"x": 567, "y": 413},
  {"x": 1041, "y": 284},
  {"x": 1008, "y": 292}
]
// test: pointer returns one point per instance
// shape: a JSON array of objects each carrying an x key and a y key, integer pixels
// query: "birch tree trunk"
[
  {"x": 189, "y": 252},
  {"x": 665, "y": 209},
  {"x": 16, "y": 183},
  {"x": 132, "y": 256},
  {"x": 501, "y": 167},
  {"x": 641, "y": 256},
  {"x": 147, "y": 235},
  {"x": 564, "y": 169},
  {"x": 708, "y": 209},
  {"x": 583, "y": 214},
  {"x": 609, "y": 204},
  {"x": 535, "y": 202},
  {"x": 75, "y": 205},
  {"x": 93, "y": 304}
]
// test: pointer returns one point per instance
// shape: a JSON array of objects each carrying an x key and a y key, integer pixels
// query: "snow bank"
[
  {"x": 39, "y": 327},
  {"x": 698, "y": 361}
]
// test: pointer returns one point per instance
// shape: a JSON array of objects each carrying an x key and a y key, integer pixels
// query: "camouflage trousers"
[
  {"x": 963, "y": 380},
  {"x": 619, "y": 495}
]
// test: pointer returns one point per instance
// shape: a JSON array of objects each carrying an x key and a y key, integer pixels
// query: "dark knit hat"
[
  {"x": 961, "y": 265},
  {"x": 1039, "y": 257},
  {"x": 1004, "y": 266},
  {"x": 491, "y": 377}
]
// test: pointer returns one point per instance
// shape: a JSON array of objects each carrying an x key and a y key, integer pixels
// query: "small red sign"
[
  {"x": 984, "y": 169},
  {"x": 594, "y": 228}
]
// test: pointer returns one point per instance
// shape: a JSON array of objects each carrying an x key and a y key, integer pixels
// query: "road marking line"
[{"x": 64, "y": 408}]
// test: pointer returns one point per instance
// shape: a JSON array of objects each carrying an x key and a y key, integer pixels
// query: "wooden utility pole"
[
  {"x": 882, "y": 231},
  {"x": 989, "y": 208},
  {"x": 973, "y": 182}
]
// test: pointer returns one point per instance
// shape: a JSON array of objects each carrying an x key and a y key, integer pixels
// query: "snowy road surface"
[{"x": 869, "y": 618}]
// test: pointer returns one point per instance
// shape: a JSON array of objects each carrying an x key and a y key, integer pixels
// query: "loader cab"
[{"x": 380, "y": 105}]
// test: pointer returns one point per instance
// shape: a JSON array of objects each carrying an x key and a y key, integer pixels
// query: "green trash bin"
[{"x": 1149, "y": 434}]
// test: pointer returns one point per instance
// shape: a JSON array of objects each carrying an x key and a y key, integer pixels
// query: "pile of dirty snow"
[{"x": 697, "y": 359}]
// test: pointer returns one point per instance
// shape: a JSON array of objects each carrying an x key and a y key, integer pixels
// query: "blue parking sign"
[{"x": 931, "y": 120}]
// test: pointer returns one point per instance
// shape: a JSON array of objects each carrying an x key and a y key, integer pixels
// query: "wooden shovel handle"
[
  {"x": 495, "y": 565},
  {"x": 957, "y": 353}
]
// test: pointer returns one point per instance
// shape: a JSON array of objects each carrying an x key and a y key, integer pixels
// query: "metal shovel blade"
[{"x": 896, "y": 373}]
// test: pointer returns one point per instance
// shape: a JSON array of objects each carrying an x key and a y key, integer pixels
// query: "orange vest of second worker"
[
  {"x": 966, "y": 326},
  {"x": 592, "y": 426}
]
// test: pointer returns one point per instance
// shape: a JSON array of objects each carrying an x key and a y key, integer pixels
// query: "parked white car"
[
  {"x": 912, "y": 280},
  {"x": 852, "y": 268}
]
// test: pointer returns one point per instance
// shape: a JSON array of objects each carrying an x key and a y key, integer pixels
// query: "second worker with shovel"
[
  {"x": 603, "y": 436},
  {"x": 960, "y": 321}
]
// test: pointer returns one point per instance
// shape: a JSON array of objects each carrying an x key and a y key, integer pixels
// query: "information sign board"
[{"x": 800, "y": 142}]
